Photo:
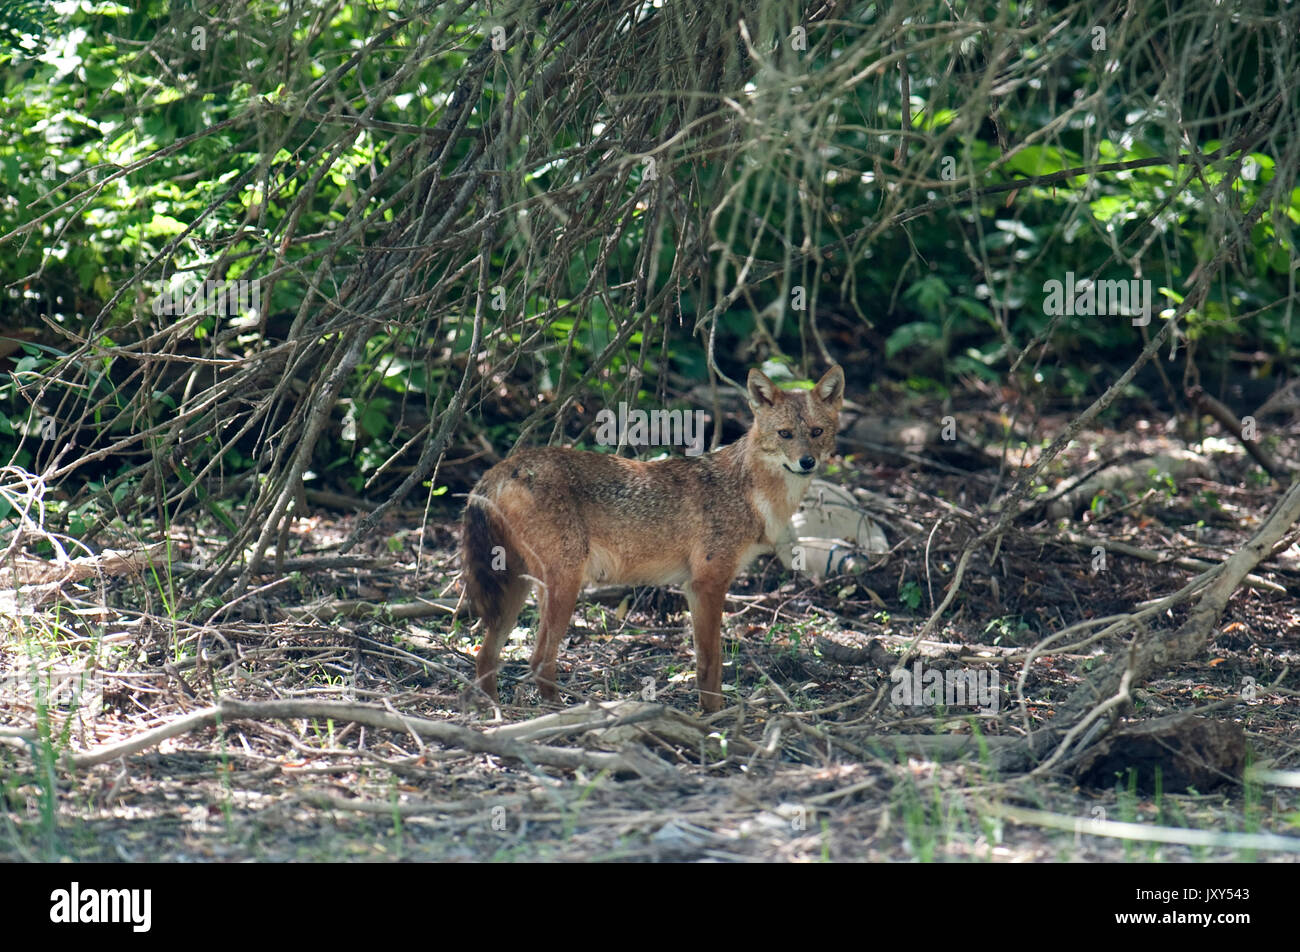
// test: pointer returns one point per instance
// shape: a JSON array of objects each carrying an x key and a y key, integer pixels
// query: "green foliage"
[{"x": 24, "y": 25}]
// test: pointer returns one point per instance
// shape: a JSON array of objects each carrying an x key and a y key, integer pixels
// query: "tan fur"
[{"x": 568, "y": 518}]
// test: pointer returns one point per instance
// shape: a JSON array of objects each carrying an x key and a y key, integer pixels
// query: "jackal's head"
[{"x": 795, "y": 429}]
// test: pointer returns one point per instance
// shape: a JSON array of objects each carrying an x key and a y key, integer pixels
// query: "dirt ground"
[{"x": 802, "y": 765}]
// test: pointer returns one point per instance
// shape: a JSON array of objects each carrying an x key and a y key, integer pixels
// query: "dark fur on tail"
[{"x": 485, "y": 585}]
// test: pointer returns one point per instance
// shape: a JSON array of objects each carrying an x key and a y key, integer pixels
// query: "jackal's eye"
[
  {"x": 816, "y": 431},
  {"x": 785, "y": 434}
]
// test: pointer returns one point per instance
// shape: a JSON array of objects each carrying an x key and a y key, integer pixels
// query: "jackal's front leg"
[{"x": 705, "y": 598}]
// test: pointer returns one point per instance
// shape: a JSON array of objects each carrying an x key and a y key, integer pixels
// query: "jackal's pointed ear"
[
  {"x": 830, "y": 389},
  {"x": 762, "y": 392}
]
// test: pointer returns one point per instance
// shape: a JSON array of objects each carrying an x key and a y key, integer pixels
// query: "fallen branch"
[
  {"x": 577, "y": 720},
  {"x": 1183, "y": 562},
  {"x": 28, "y": 571},
  {"x": 1158, "y": 650},
  {"x": 1143, "y": 832},
  {"x": 368, "y": 608},
  {"x": 624, "y": 762}
]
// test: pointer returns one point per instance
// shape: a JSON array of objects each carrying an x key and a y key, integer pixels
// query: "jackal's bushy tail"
[{"x": 489, "y": 562}]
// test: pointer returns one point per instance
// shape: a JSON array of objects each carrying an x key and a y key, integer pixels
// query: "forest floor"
[{"x": 801, "y": 765}]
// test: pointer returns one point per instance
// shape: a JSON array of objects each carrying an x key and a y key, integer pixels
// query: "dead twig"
[{"x": 628, "y": 762}]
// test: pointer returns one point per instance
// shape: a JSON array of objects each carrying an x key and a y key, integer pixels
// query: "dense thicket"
[{"x": 254, "y": 246}]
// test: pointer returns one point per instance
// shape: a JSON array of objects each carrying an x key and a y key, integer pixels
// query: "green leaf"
[
  {"x": 918, "y": 332},
  {"x": 99, "y": 77}
]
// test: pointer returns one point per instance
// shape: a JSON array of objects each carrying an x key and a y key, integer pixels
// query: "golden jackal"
[{"x": 565, "y": 518}]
